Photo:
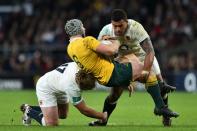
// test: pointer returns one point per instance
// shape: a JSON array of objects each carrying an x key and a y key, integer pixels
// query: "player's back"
[
  {"x": 83, "y": 52},
  {"x": 62, "y": 78}
]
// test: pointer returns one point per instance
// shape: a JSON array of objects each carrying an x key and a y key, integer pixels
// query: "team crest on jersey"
[{"x": 127, "y": 38}]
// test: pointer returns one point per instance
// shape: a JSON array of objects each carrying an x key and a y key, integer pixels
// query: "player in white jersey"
[
  {"x": 133, "y": 39},
  {"x": 54, "y": 90}
]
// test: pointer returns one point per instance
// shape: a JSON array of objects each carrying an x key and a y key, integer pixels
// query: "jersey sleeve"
[
  {"x": 75, "y": 96},
  {"x": 91, "y": 43},
  {"x": 139, "y": 32},
  {"x": 104, "y": 31}
]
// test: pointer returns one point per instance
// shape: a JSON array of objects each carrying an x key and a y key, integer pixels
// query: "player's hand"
[
  {"x": 105, "y": 117},
  {"x": 108, "y": 37},
  {"x": 143, "y": 77},
  {"x": 131, "y": 89}
]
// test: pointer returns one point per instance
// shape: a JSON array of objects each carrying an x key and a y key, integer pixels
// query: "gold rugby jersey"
[{"x": 83, "y": 52}]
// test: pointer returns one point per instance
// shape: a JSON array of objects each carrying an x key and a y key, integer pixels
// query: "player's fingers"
[
  {"x": 105, "y": 37},
  {"x": 131, "y": 89}
]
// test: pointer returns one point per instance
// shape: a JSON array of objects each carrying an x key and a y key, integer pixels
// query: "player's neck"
[{"x": 72, "y": 38}]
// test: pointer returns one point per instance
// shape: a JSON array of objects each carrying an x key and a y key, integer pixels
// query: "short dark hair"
[
  {"x": 86, "y": 81},
  {"x": 118, "y": 14}
]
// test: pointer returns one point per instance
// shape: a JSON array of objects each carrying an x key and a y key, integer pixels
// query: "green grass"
[{"x": 131, "y": 114}]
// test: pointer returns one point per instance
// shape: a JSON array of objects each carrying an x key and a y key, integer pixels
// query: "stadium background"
[{"x": 33, "y": 41}]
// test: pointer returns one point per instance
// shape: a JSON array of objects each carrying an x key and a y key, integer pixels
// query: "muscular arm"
[
  {"x": 89, "y": 112},
  {"x": 108, "y": 49},
  {"x": 148, "y": 48}
]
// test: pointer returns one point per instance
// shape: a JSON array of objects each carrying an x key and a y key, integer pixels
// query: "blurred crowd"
[{"x": 32, "y": 37}]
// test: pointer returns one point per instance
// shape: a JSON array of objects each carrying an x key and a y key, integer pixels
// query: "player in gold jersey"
[
  {"x": 90, "y": 53},
  {"x": 134, "y": 40}
]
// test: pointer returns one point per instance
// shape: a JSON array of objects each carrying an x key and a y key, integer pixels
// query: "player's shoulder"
[
  {"x": 106, "y": 30},
  {"x": 71, "y": 67},
  {"x": 107, "y": 27},
  {"x": 89, "y": 38},
  {"x": 66, "y": 70},
  {"x": 71, "y": 64},
  {"x": 133, "y": 23}
]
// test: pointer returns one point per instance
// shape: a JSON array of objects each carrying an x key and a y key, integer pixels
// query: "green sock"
[{"x": 154, "y": 91}]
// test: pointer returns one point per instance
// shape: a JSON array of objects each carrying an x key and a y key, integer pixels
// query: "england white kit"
[
  {"x": 134, "y": 34},
  {"x": 59, "y": 86}
]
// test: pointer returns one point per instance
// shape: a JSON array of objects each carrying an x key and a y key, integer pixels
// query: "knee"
[
  {"x": 51, "y": 122},
  {"x": 114, "y": 96}
]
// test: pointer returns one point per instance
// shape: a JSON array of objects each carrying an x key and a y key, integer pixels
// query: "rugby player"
[
  {"x": 54, "y": 91},
  {"x": 134, "y": 40},
  {"x": 89, "y": 54}
]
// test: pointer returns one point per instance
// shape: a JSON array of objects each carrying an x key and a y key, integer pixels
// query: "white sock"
[{"x": 43, "y": 122}]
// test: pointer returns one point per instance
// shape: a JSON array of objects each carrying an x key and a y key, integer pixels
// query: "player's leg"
[
  {"x": 63, "y": 110},
  {"x": 27, "y": 119},
  {"x": 37, "y": 108},
  {"x": 111, "y": 100},
  {"x": 137, "y": 66},
  {"x": 115, "y": 92},
  {"x": 48, "y": 103},
  {"x": 109, "y": 105},
  {"x": 151, "y": 85},
  {"x": 54, "y": 107},
  {"x": 154, "y": 90},
  {"x": 31, "y": 113},
  {"x": 63, "y": 105},
  {"x": 50, "y": 116},
  {"x": 164, "y": 89},
  {"x": 36, "y": 111},
  {"x": 50, "y": 112}
]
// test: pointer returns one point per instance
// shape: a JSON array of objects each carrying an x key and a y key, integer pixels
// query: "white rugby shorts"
[{"x": 48, "y": 96}]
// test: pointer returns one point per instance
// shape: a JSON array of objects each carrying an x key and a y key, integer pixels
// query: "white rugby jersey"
[
  {"x": 134, "y": 34},
  {"x": 62, "y": 80}
]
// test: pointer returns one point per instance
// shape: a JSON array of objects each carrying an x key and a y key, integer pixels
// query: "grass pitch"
[{"x": 132, "y": 114}]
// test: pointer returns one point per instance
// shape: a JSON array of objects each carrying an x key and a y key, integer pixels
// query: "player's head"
[
  {"x": 86, "y": 81},
  {"x": 119, "y": 21},
  {"x": 74, "y": 27}
]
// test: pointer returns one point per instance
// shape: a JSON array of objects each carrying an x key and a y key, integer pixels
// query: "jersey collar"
[{"x": 74, "y": 38}]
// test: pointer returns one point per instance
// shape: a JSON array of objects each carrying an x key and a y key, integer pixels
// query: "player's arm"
[
  {"x": 108, "y": 49},
  {"x": 89, "y": 112},
  {"x": 145, "y": 42},
  {"x": 102, "y": 47},
  {"x": 104, "y": 32},
  {"x": 148, "y": 48}
]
